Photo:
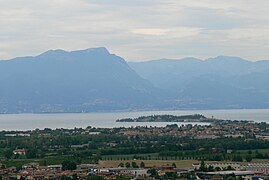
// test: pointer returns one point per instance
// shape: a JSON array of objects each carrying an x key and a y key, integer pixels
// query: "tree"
[
  {"x": 122, "y": 178},
  {"x": 202, "y": 166},
  {"x": 237, "y": 158},
  {"x": 259, "y": 155},
  {"x": 31, "y": 153},
  {"x": 172, "y": 126},
  {"x": 96, "y": 158},
  {"x": 64, "y": 177},
  {"x": 190, "y": 175},
  {"x": 134, "y": 165},
  {"x": 95, "y": 178},
  {"x": 142, "y": 164},
  {"x": 248, "y": 158},
  {"x": 153, "y": 172},
  {"x": 127, "y": 164},
  {"x": 229, "y": 168},
  {"x": 210, "y": 168},
  {"x": 8, "y": 153},
  {"x": 69, "y": 165},
  {"x": 170, "y": 175},
  {"x": 121, "y": 165},
  {"x": 174, "y": 165}
]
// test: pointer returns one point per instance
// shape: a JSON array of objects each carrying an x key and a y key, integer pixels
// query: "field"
[
  {"x": 44, "y": 161},
  {"x": 155, "y": 163},
  {"x": 150, "y": 163},
  {"x": 179, "y": 163},
  {"x": 115, "y": 163}
]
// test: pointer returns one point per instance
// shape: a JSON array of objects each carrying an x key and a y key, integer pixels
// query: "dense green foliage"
[
  {"x": 55, "y": 146},
  {"x": 165, "y": 118}
]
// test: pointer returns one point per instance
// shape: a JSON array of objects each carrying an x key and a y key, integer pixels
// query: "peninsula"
[{"x": 169, "y": 118}]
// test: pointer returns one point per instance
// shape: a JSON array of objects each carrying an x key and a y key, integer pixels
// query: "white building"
[
  {"x": 235, "y": 166},
  {"x": 261, "y": 168},
  {"x": 19, "y": 151}
]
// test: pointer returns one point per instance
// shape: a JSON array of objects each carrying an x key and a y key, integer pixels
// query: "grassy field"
[
  {"x": 44, "y": 161},
  {"x": 253, "y": 151},
  {"x": 18, "y": 162},
  {"x": 115, "y": 163},
  {"x": 155, "y": 163},
  {"x": 152, "y": 156},
  {"x": 179, "y": 163},
  {"x": 150, "y": 160},
  {"x": 150, "y": 163},
  {"x": 260, "y": 161}
]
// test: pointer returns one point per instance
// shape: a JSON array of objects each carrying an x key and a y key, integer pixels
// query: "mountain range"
[
  {"x": 222, "y": 82},
  {"x": 96, "y": 80}
]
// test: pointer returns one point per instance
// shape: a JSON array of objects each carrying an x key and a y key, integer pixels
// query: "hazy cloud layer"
[{"x": 137, "y": 30}]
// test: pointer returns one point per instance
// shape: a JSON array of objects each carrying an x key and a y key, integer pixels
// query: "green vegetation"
[
  {"x": 90, "y": 145},
  {"x": 167, "y": 118}
]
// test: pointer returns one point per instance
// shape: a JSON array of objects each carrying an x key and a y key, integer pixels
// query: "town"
[
  {"x": 221, "y": 149},
  {"x": 68, "y": 170}
]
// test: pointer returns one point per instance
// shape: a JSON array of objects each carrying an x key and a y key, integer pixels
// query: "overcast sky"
[{"x": 137, "y": 29}]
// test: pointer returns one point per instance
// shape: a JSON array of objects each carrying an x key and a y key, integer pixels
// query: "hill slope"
[
  {"x": 95, "y": 80},
  {"x": 76, "y": 81},
  {"x": 221, "y": 82}
]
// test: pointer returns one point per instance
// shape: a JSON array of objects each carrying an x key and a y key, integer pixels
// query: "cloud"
[
  {"x": 151, "y": 31},
  {"x": 136, "y": 30},
  {"x": 173, "y": 32}
]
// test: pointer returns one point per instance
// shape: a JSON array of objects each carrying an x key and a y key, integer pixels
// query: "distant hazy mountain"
[
  {"x": 221, "y": 82},
  {"x": 76, "y": 81},
  {"x": 95, "y": 80}
]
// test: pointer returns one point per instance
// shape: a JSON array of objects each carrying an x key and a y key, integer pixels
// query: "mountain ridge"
[
  {"x": 220, "y": 82},
  {"x": 93, "y": 79},
  {"x": 84, "y": 80}
]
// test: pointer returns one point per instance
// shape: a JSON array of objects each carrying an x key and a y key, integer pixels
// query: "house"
[
  {"x": 235, "y": 166},
  {"x": 80, "y": 146},
  {"x": 86, "y": 167},
  {"x": 259, "y": 168},
  {"x": 122, "y": 170},
  {"x": 33, "y": 165},
  {"x": 137, "y": 172},
  {"x": 19, "y": 152},
  {"x": 209, "y": 175},
  {"x": 94, "y": 133},
  {"x": 55, "y": 167}
]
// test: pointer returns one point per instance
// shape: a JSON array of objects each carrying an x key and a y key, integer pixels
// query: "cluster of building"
[
  {"x": 248, "y": 172},
  {"x": 214, "y": 130},
  {"x": 33, "y": 171},
  {"x": 211, "y": 130}
]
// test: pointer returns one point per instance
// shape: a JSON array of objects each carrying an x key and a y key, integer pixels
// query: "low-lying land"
[
  {"x": 221, "y": 141},
  {"x": 169, "y": 118}
]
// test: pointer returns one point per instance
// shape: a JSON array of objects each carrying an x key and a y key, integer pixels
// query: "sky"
[{"x": 137, "y": 30}]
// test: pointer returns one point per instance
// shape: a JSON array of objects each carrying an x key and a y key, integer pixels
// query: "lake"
[{"x": 108, "y": 120}]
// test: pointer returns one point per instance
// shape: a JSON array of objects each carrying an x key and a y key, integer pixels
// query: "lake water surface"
[{"x": 108, "y": 120}]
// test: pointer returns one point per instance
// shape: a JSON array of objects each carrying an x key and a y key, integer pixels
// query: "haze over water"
[{"x": 108, "y": 120}]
